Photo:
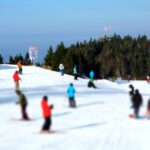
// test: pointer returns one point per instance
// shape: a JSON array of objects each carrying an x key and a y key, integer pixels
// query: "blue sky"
[{"x": 47, "y": 22}]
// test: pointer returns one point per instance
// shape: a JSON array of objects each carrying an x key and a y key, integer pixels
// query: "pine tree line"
[
  {"x": 14, "y": 60},
  {"x": 113, "y": 57}
]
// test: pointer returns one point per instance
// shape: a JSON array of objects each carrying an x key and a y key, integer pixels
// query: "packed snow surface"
[{"x": 100, "y": 121}]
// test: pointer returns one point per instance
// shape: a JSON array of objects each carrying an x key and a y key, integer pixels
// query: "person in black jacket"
[{"x": 137, "y": 102}]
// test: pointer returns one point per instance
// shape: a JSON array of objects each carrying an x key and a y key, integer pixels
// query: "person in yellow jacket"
[{"x": 19, "y": 66}]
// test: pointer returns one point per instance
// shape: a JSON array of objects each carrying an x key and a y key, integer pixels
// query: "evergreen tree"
[
  {"x": 1, "y": 59},
  {"x": 58, "y": 56},
  {"x": 17, "y": 58},
  {"x": 70, "y": 60},
  {"x": 48, "y": 58},
  {"x": 27, "y": 59},
  {"x": 11, "y": 60},
  {"x": 115, "y": 56}
]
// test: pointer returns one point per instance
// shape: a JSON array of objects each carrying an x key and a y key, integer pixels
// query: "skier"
[
  {"x": 129, "y": 78},
  {"x": 137, "y": 102},
  {"x": 147, "y": 115},
  {"x": 92, "y": 75},
  {"x": 23, "y": 102},
  {"x": 131, "y": 92},
  {"x": 90, "y": 83},
  {"x": 46, "y": 114},
  {"x": 147, "y": 79},
  {"x": 75, "y": 72},
  {"x": 16, "y": 80},
  {"x": 19, "y": 66},
  {"x": 71, "y": 91},
  {"x": 61, "y": 68}
]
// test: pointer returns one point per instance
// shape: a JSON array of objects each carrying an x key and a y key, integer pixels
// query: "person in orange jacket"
[
  {"x": 46, "y": 114},
  {"x": 16, "y": 80},
  {"x": 19, "y": 66}
]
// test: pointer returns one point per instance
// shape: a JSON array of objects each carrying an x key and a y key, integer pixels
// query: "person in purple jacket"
[{"x": 71, "y": 92}]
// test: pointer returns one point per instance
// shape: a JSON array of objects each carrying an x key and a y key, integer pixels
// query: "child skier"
[
  {"x": 148, "y": 110},
  {"x": 92, "y": 76},
  {"x": 46, "y": 114},
  {"x": 75, "y": 72},
  {"x": 129, "y": 78},
  {"x": 71, "y": 91},
  {"x": 23, "y": 102},
  {"x": 137, "y": 102},
  {"x": 147, "y": 79},
  {"x": 131, "y": 92},
  {"x": 90, "y": 83},
  {"x": 61, "y": 68},
  {"x": 16, "y": 80},
  {"x": 19, "y": 66}
]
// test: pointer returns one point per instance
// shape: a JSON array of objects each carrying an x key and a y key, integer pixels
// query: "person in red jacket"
[
  {"x": 147, "y": 79},
  {"x": 147, "y": 115},
  {"x": 46, "y": 114},
  {"x": 16, "y": 80}
]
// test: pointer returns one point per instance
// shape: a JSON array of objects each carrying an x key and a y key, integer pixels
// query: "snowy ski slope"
[{"x": 100, "y": 121}]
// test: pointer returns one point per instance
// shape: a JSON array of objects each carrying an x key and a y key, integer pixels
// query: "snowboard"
[{"x": 17, "y": 119}]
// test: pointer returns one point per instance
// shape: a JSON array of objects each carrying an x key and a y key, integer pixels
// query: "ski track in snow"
[{"x": 100, "y": 121}]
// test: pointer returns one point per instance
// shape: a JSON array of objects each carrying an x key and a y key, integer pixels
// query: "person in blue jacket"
[
  {"x": 92, "y": 75},
  {"x": 71, "y": 92},
  {"x": 75, "y": 72}
]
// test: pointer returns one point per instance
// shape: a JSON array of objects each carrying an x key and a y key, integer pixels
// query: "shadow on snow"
[
  {"x": 91, "y": 125},
  {"x": 89, "y": 104},
  {"x": 3, "y": 67}
]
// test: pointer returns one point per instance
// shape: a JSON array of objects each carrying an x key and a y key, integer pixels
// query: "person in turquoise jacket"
[
  {"x": 75, "y": 73},
  {"x": 92, "y": 75},
  {"x": 71, "y": 92}
]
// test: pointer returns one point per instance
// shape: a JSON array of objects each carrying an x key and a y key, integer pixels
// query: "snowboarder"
[
  {"x": 147, "y": 79},
  {"x": 16, "y": 80},
  {"x": 137, "y": 102},
  {"x": 19, "y": 66},
  {"x": 71, "y": 91},
  {"x": 23, "y": 102},
  {"x": 61, "y": 68},
  {"x": 75, "y": 72},
  {"x": 92, "y": 76},
  {"x": 46, "y": 114}
]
